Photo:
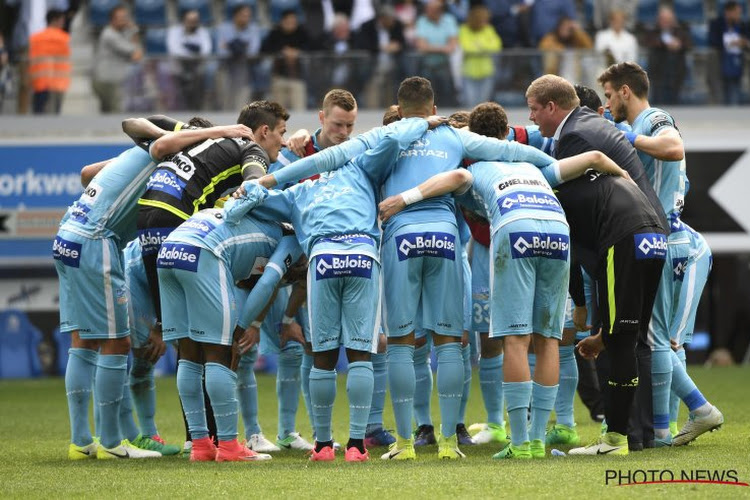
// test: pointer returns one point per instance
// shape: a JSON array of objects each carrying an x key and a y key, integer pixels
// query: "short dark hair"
[
  {"x": 287, "y": 12},
  {"x": 459, "y": 119},
  {"x": 391, "y": 115},
  {"x": 415, "y": 92},
  {"x": 114, "y": 10},
  {"x": 341, "y": 98},
  {"x": 489, "y": 119},
  {"x": 200, "y": 122},
  {"x": 53, "y": 15},
  {"x": 626, "y": 73},
  {"x": 239, "y": 7},
  {"x": 259, "y": 113},
  {"x": 588, "y": 97},
  {"x": 730, "y": 4}
]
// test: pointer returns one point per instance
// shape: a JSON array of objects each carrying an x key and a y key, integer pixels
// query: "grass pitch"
[{"x": 33, "y": 463}]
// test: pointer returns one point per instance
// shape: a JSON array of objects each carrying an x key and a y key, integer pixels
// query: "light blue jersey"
[
  {"x": 237, "y": 245},
  {"x": 504, "y": 192},
  {"x": 669, "y": 178},
  {"x": 470, "y": 145},
  {"x": 108, "y": 206}
]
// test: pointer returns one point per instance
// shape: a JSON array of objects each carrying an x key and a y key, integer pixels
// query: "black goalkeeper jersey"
[{"x": 197, "y": 176}]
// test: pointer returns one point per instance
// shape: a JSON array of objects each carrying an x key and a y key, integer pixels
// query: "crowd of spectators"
[{"x": 216, "y": 54}]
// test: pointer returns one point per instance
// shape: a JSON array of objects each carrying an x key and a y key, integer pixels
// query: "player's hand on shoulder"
[
  {"x": 238, "y": 130},
  {"x": 435, "y": 121},
  {"x": 297, "y": 142}
]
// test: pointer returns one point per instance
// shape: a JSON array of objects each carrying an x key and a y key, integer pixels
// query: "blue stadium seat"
[
  {"x": 230, "y": 5},
  {"x": 155, "y": 41},
  {"x": 588, "y": 12},
  {"x": 689, "y": 11},
  {"x": 699, "y": 34},
  {"x": 202, "y": 6},
  {"x": 19, "y": 340},
  {"x": 62, "y": 342},
  {"x": 647, "y": 10},
  {"x": 99, "y": 11},
  {"x": 150, "y": 12}
]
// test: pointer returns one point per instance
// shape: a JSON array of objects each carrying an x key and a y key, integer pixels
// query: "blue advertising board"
[{"x": 37, "y": 184}]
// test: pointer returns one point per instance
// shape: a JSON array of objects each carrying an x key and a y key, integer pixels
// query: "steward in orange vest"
[{"x": 49, "y": 64}]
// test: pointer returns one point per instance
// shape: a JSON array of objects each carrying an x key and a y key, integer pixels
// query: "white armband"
[
  {"x": 256, "y": 324},
  {"x": 412, "y": 195},
  {"x": 287, "y": 320}
]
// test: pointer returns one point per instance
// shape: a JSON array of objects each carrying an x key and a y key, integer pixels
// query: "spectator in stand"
[
  {"x": 238, "y": 42},
  {"x": 436, "y": 40},
  {"x": 339, "y": 67},
  {"x": 730, "y": 35},
  {"x": 480, "y": 43},
  {"x": 603, "y": 11},
  {"x": 508, "y": 18},
  {"x": 667, "y": 46},
  {"x": 559, "y": 59},
  {"x": 406, "y": 13},
  {"x": 189, "y": 44},
  {"x": 116, "y": 51},
  {"x": 384, "y": 38},
  {"x": 546, "y": 16},
  {"x": 49, "y": 64},
  {"x": 616, "y": 43},
  {"x": 286, "y": 42}
]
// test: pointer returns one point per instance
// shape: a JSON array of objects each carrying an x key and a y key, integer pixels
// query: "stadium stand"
[{"x": 19, "y": 340}]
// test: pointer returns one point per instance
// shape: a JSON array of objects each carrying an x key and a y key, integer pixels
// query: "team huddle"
[{"x": 423, "y": 233}]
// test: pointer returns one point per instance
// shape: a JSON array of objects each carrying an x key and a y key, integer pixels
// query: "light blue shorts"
[
  {"x": 198, "y": 295},
  {"x": 480, "y": 287},
  {"x": 689, "y": 287},
  {"x": 343, "y": 299},
  {"x": 140, "y": 307},
  {"x": 422, "y": 266},
  {"x": 529, "y": 278},
  {"x": 93, "y": 295}
]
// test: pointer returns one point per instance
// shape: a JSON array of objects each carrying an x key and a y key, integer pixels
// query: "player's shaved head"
[
  {"x": 553, "y": 88},
  {"x": 489, "y": 119},
  {"x": 259, "y": 113},
  {"x": 415, "y": 95},
  {"x": 588, "y": 97},
  {"x": 391, "y": 115},
  {"x": 626, "y": 73}
]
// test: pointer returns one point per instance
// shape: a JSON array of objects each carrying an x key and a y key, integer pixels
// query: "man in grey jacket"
[{"x": 116, "y": 49}]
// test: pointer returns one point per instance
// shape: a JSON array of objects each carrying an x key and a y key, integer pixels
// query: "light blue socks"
[{"x": 79, "y": 380}]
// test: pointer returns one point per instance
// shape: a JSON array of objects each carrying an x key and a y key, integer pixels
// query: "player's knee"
[
  {"x": 141, "y": 371},
  {"x": 326, "y": 360},
  {"x": 568, "y": 336},
  {"x": 490, "y": 347},
  {"x": 119, "y": 346},
  {"x": 353, "y": 355},
  {"x": 291, "y": 355}
]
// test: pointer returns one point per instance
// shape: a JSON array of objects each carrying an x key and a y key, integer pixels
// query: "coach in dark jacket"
[{"x": 576, "y": 130}]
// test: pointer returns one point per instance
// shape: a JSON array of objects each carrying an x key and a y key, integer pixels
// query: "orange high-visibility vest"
[{"x": 49, "y": 60}]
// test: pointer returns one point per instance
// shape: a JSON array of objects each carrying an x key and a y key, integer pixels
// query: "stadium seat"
[
  {"x": 150, "y": 12},
  {"x": 689, "y": 11},
  {"x": 699, "y": 34},
  {"x": 588, "y": 12},
  {"x": 19, "y": 340},
  {"x": 155, "y": 41},
  {"x": 202, "y": 6},
  {"x": 62, "y": 344},
  {"x": 230, "y": 5},
  {"x": 99, "y": 11},
  {"x": 647, "y": 10}
]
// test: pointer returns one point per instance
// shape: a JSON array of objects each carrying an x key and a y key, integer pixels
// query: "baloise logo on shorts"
[
  {"x": 650, "y": 246},
  {"x": 427, "y": 244},
  {"x": 196, "y": 226},
  {"x": 152, "y": 238},
  {"x": 166, "y": 182},
  {"x": 68, "y": 252},
  {"x": 548, "y": 245},
  {"x": 178, "y": 256},
  {"x": 338, "y": 266},
  {"x": 679, "y": 266},
  {"x": 528, "y": 200}
]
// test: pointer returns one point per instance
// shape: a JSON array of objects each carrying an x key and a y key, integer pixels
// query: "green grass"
[{"x": 34, "y": 429}]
